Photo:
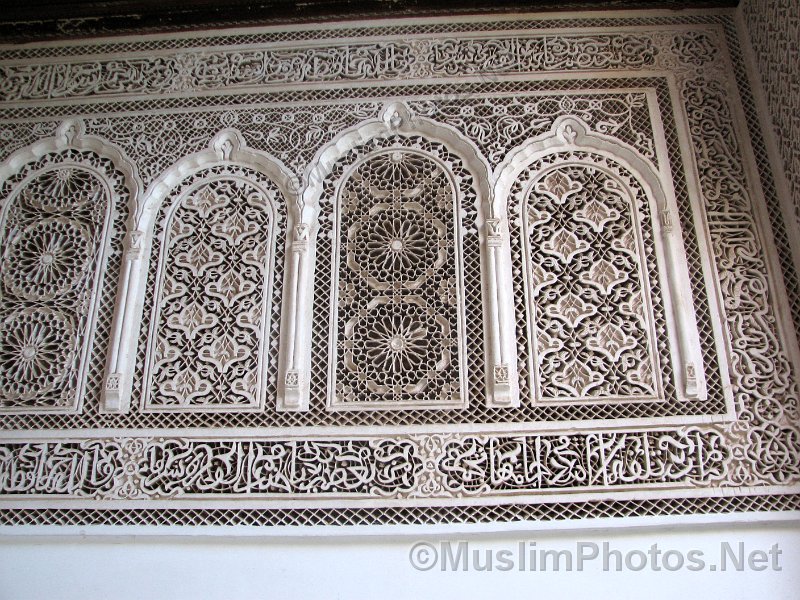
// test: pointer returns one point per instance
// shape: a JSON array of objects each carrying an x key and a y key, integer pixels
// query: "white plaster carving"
[
  {"x": 611, "y": 312},
  {"x": 188, "y": 71},
  {"x": 226, "y": 206},
  {"x": 55, "y": 221},
  {"x": 638, "y": 179},
  {"x": 396, "y": 119}
]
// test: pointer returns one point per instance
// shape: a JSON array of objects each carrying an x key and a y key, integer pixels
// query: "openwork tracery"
[
  {"x": 54, "y": 242},
  {"x": 211, "y": 305},
  {"x": 398, "y": 249},
  {"x": 215, "y": 258},
  {"x": 438, "y": 309},
  {"x": 400, "y": 210},
  {"x": 590, "y": 298},
  {"x": 589, "y": 252}
]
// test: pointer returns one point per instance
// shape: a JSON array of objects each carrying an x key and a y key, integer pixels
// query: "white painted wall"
[{"x": 244, "y": 567}]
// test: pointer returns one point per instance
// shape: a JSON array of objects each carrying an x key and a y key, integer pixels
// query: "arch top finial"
[
  {"x": 397, "y": 115},
  {"x": 571, "y": 130},
  {"x": 69, "y": 130},
  {"x": 227, "y": 143}
]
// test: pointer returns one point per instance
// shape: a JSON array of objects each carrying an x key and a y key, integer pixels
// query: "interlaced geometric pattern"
[
  {"x": 399, "y": 312},
  {"x": 52, "y": 247},
  {"x": 210, "y": 319},
  {"x": 400, "y": 424}
]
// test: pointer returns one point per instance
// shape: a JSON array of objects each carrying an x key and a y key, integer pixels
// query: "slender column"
[
  {"x": 294, "y": 395},
  {"x": 116, "y": 388},
  {"x": 501, "y": 371},
  {"x": 690, "y": 359}
]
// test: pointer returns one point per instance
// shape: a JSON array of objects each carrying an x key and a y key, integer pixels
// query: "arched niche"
[
  {"x": 206, "y": 276},
  {"x": 600, "y": 253},
  {"x": 466, "y": 213},
  {"x": 65, "y": 201}
]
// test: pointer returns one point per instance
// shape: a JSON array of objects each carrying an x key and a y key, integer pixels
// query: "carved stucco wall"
[
  {"x": 445, "y": 271},
  {"x": 774, "y": 29}
]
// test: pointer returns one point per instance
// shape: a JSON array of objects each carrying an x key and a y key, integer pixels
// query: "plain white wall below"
[{"x": 243, "y": 568}]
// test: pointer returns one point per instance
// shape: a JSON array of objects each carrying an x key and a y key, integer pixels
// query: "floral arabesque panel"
[
  {"x": 496, "y": 263},
  {"x": 592, "y": 313},
  {"x": 211, "y": 314}
]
